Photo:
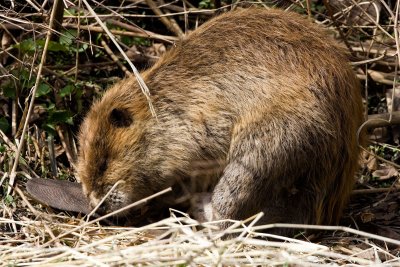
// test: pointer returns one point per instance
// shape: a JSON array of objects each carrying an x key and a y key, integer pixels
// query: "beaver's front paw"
[{"x": 201, "y": 208}]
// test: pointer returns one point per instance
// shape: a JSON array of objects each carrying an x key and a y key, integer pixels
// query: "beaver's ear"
[{"x": 120, "y": 118}]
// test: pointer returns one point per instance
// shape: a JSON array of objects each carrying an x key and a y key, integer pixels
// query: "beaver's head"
[{"x": 114, "y": 148}]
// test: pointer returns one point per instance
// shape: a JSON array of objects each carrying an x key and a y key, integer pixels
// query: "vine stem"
[{"x": 13, "y": 173}]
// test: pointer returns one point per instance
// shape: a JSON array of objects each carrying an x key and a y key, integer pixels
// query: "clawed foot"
[{"x": 201, "y": 207}]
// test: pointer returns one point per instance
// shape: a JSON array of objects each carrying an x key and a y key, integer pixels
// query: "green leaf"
[
  {"x": 141, "y": 41},
  {"x": 28, "y": 84},
  {"x": 29, "y": 45},
  {"x": 26, "y": 46},
  {"x": 23, "y": 74},
  {"x": 53, "y": 46},
  {"x": 49, "y": 127},
  {"x": 26, "y": 80},
  {"x": 67, "y": 90},
  {"x": 4, "y": 126},
  {"x": 60, "y": 116},
  {"x": 50, "y": 107},
  {"x": 68, "y": 37},
  {"x": 9, "y": 91},
  {"x": 206, "y": 4},
  {"x": 83, "y": 47},
  {"x": 98, "y": 38},
  {"x": 43, "y": 89},
  {"x": 69, "y": 12},
  {"x": 9, "y": 199}
]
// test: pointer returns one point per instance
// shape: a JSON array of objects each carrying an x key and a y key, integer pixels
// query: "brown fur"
[{"x": 266, "y": 91}]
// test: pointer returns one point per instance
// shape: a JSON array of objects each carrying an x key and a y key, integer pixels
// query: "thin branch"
[
  {"x": 169, "y": 23},
  {"x": 375, "y": 190},
  {"x": 144, "y": 34},
  {"x": 115, "y": 58}
]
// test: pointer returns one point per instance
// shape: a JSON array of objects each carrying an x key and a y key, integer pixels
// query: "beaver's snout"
[{"x": 111, "y": 200}]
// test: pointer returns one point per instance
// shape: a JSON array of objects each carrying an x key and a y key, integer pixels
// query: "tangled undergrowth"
[{"x": 82, "y": 60}]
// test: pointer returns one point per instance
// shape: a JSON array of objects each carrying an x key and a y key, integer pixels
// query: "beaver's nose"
[{"x": 101, "y": 210}]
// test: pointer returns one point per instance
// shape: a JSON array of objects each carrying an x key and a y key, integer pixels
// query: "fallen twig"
[{"x": 169, "y": 23}]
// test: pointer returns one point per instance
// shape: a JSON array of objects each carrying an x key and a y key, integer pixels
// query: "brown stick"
[
  {"x": 374, "y": 190},
  {"x": 170, "y": 23},
  {"x": 52, "y": 155},
  {"x": 66, "y": 144},
  {"x": 146, "y": 34},
  {"x": 115, "y": 58},
  {"x": 58, "y": 18},
  {"x": 382, "y": 120},
  {"x": 126, "y": 26},
  {"x": 379, "y": 77},
  {"x": 336, "y": 24}
]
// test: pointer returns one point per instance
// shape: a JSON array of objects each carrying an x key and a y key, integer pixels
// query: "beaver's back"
[{"x": 256, "y": 58}]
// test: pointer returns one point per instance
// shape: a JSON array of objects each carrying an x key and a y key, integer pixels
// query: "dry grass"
[
  {"x": 177, "y": 241},
  {"x": 33, "y": 235}
]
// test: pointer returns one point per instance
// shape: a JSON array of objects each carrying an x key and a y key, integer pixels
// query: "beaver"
[{"x": 263, "y": 92}]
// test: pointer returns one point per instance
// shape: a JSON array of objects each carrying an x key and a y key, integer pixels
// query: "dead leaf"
[
  {"x": 367, "y": 217},
  {"x": 386, "y": 172},
  {"x": 372, "y": 164}
]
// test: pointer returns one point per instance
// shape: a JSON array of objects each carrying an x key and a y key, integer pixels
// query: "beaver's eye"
[{"x": 120, "y": 118}]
